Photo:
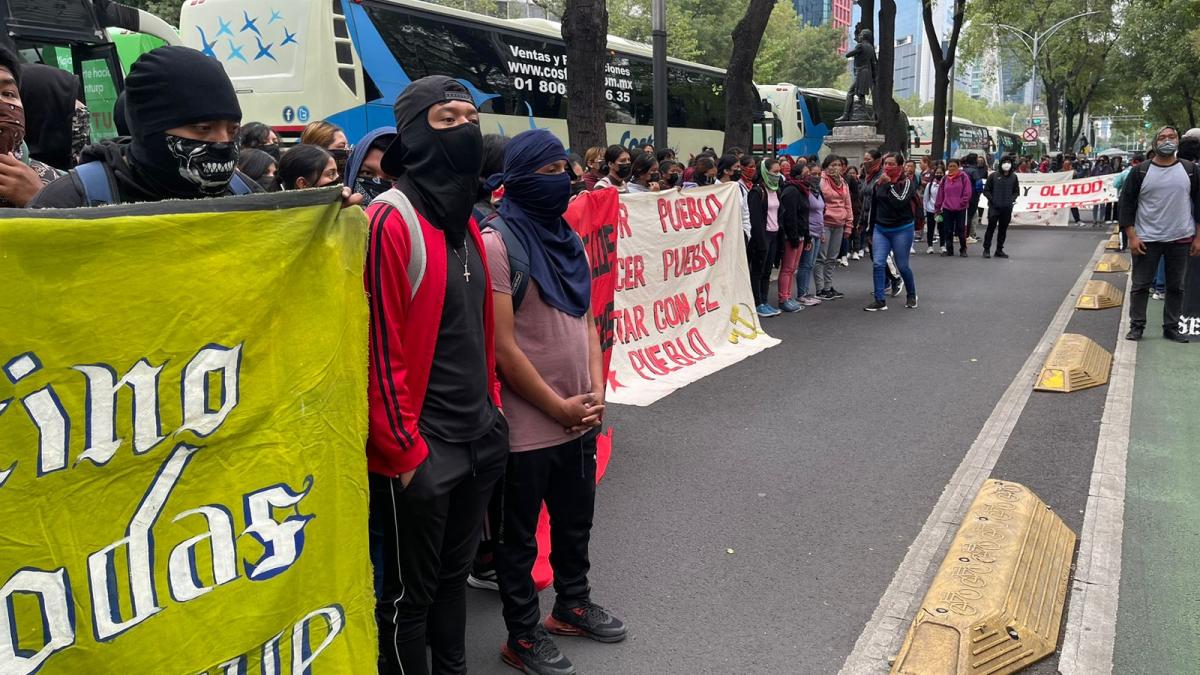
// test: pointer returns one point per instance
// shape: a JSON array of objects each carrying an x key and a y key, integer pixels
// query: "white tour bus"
[{"x": 346, "y": 61}]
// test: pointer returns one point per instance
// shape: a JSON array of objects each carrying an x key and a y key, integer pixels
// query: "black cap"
[
  {"x": 412, "y": 105},
  {"x": 169, "y": 87}
]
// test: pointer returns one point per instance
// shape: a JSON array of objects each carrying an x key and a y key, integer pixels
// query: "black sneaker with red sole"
[
  {"x": 586, "y": 619},
  {"x": 536, "y": 653}
]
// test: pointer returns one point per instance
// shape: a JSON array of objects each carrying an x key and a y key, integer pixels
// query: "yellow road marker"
[
  {"x": 1076, "y": 362},
  {"x": 1099, "y": 295},
  {"x": 1112, "y": 262}
]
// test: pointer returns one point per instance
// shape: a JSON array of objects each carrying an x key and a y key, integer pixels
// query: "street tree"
[
  {"x": 892, "y": 123},
  {"x": 943, "y": 64},
  {"x": 741, "y": 95},
  {"x": 585, "y": 32}
]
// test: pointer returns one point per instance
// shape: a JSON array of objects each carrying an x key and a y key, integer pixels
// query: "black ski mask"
[
  {"x": 438, "y": 169},
  {"x": 159, "y": 99}
]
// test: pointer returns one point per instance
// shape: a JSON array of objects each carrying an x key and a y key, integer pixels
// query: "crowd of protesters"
[{"x": 490, "y": 405}]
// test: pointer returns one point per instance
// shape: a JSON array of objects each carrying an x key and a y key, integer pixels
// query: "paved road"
[{"x": 817, "y": 463}]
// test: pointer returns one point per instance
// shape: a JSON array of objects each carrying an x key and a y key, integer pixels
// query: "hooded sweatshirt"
[
  {"x": 955, "y": 193},
  {"x": 839, "y": 212}
]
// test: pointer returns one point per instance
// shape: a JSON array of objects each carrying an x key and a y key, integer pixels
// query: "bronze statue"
[{"x": 865, "y": 65}]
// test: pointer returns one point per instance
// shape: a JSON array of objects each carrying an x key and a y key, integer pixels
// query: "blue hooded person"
[{"x": 552, "y": 388}]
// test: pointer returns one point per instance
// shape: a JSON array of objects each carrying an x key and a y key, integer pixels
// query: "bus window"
[
  {"x": 694, "y": 99},
  {"x": 99, "y": 72}
]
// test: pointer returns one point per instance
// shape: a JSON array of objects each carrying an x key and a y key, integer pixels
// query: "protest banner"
[
  {"x": 1047, "y": 198},
  {"x": 683, "y": 308},
  {"x": 183, "y": 484}
]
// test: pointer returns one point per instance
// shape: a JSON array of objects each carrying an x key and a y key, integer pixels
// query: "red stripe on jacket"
[{"x": 401, "y": 350}]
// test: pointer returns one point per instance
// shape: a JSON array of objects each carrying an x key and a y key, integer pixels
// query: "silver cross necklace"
[{"x": 464, "y": 259}]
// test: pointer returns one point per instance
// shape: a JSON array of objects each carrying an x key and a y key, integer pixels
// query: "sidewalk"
[{"x": 1159, "y": 609}]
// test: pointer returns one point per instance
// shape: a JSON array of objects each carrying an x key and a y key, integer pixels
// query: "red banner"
[{"x": 593, "y": 215}]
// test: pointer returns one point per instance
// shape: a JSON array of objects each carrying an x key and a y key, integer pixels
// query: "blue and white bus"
[
  {"x": 295, "y": 61},
  {"x": 805, "y": 115}
]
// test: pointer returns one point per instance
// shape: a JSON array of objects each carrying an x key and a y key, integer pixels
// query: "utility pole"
[
  {"x": 1034, "y": 44},
  {"x": 659, "y": 35}
]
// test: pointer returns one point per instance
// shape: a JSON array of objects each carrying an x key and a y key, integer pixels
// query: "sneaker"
[
  {"x": 790, "y": 306},
  {"x": 587, "y": 619},
  {"x": 484, "y": 580},
  {"x": 947, "y": 254},
  {"x": 809, "y": 300},
  {"x": 897, "y": 287},
  {"x": 987, "y": 253},
  {"x": 536, "y": 653},
  {"x": 1175, "y": 336},
  {"x": 929, "y": 250},
  {"x": 876, "y": 306},
  {"x": 844, "y": 261},
  {"x": 833, "y": 293},
  {"x": 1001, "y": 254},
  {"x": 963, "y": 253},
  {"x": 1135, "y": 333},
  {"x": 855, "y": 256},
  {"x": 766, "y": 311},
  {"x": 972, "y": 240},
  {"x": 1159, "y": 295},
  {"x": 911, "y": 302}
]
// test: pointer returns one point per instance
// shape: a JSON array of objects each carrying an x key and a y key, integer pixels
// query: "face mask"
[
  {"x": 673, "y": 179},
  {"x": 269, "y": 183},
  {"x": 937, "y": 176},
  {"x": 1167, "y": 148},
  {"x": 1006, "y": 167},
  {"x": 207, "y": 165},
  {"x": 749, "y": 173},
  {"x": 704, "y": 179},
  {"x": 340, "y": 157},
  {"x": 893, "y": 172},
  {"x": 543, "y": 197},
  {"x": 370, "y": 188},
  {"x": 12, "y": 128},
  {"x": 655, "y": 177},
  {"x": 272, "y": 150},
  {"x": 623, "y": 170},
  {"x": 81, "y": 132}
]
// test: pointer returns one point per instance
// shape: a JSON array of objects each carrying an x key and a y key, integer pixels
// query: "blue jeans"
[
  {"x": 804, "y": 273},
  {"x": 898, "y": 242},
  {"x": 1160, "y": 278}
]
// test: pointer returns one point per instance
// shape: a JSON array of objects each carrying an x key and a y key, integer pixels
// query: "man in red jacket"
[{"x": 437, "y": 441}]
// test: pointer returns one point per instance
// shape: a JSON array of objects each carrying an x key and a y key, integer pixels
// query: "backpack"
[
  {"x": 518, "y": 255},
  {"x": 99, "y": 190}
]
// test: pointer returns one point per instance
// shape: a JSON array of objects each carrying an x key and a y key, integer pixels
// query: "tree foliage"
[
  {"x": 167, "y": 10},
  {"x": 1158, "y": 59}
]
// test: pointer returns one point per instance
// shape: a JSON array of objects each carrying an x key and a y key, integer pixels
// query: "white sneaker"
[
  {"x": 929, "y": 250},
  {"x": 843, "y": 261},
  {"x": 972, "y": 240}
]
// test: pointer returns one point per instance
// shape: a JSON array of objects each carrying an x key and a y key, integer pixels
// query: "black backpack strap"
[{"x": 518, "y": 258}]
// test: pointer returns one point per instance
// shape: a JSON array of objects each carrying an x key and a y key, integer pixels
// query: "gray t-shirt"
[{"x": 1165, "y": 205}]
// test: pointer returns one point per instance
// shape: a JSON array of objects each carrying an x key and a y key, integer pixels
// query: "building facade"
[{"x": 836, "y": 13}]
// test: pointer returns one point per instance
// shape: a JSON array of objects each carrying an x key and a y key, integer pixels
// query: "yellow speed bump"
[
  {"x": 997, "y": 601},
  {"x": 1112, "y": 262},
  {"x": 1099, "y": 295},
  {"x": 1116, "y": 229},
  {"x": 1114, "y": 243},
  {"x": 1075, "y": 363}
]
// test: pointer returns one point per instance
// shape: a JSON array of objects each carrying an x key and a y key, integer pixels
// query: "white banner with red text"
[
  {"x": 1047, "y": 198},
  {"x": 683, "y": 307}
]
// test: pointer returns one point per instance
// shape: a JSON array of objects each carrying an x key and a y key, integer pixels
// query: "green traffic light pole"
[{"x": 1035, "y": 42}]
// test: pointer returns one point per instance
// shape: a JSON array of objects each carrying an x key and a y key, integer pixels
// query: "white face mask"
[{"x": 1006, "y": 166}]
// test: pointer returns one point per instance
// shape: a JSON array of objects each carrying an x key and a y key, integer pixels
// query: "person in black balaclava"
[
  {"x": 182, "y": 144},
  {"x": 437, "y": 443},
  {"x": 50, "y": 96},
  {"x": 120, "y": 121}
]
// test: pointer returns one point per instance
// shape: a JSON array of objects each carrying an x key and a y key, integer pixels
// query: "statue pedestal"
[{"x": 852, "y": 140}]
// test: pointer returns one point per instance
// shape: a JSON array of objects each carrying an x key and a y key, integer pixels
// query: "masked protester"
[
  {"x": 549, "y": 359},
  {"x": 363, "y": 173},
  {"x": 53, "y": 114},
  {"x": 437, "y": 442},
  {"x": 183, "y": 138},
  {"x": 1002, "y": 189},
  {"x": 20, "y": 176},
  {"x": 1159, "y": 211},
  {"x": 260, "y": 168},
  {"x": 618, "y": 167},
  {"x": 331, "y": 137},
  {"x": 120, "y": 120},
  {"x": 260, "y": 137},
  {"x": 896, "y": 212}
]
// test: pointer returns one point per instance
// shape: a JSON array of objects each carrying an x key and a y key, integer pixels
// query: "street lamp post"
[
  {"x": 658, "y": 31},
  {"x": 1036, "y": 41}
]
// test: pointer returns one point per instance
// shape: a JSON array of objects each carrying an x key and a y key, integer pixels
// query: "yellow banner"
[{"x": 182, "y": 419}]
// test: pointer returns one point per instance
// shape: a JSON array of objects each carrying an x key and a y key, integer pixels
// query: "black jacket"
[
  {"x": 1001, "y": 190},
  {"x": 895, "y": 204},
  {"x": 1127, "y": 204},
  {"x": 67, "y": 192},
  {"x": 793, "y": 213},
  {"x": 756, "y": 202}
]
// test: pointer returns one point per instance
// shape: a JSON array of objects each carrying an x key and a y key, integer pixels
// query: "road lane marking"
[
  {"x": 881, "y": 638},
  {"x": 1092, "y": 607}
]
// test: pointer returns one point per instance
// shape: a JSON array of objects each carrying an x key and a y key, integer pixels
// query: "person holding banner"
[
  {"x": 437, "y": 442},
  {"x": 1160, "y": 213},
  {"x": 895, "y": 207},
  {"x": 1002, "y": 189},
  {"x": 550, "y": 363}
]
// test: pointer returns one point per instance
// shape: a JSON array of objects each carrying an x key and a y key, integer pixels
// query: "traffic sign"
[{"x": 1030, "y": 134}]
